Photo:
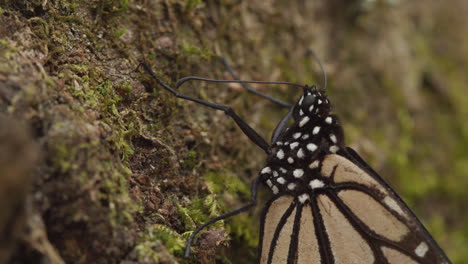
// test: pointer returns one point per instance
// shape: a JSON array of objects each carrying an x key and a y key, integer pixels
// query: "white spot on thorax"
[
  {"x": 316, "y": 130},
  {"x": 298, "y": 173},
  {"x": 303, "y": 197},
  {"x": 302, "y": 99},
  {"x": 311, "y": 108},
  {"x": 314, "y": 164},
  {"x": 291, "y": 186},
  {"x": 266, "y": 170},
  {"x": 316, "y": 183},
  {"x": 294, "y": 145},
  {"x": 275, "y": 189},
  {"x": 311, "y": 147},
  {"x": 328, "y": 120},
  {"x": 297, "y": 135},
  {"x": 280, "y": 154},
  {"x": 300, "y": 153},
  {"x": 421, "y": 249},
  {"x": 304, "y": 121},
  {"x": 333, "y": 138},
  {"x": 281, "y": 180},
  {"x": 290, "y": 160},
  {"x": 319, "y": 101}
]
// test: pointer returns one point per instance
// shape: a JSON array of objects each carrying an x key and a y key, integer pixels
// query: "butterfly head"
[{"x": 313, "y": 102}]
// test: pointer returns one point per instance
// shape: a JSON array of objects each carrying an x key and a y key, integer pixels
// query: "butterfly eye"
[{"x": 308, "y": 101}]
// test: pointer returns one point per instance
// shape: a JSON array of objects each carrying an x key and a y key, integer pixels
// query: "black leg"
[
  {"x": 253, "y": 202},
  {"x": 282, "y": 125},
  {"x": 248, "y": 131}
]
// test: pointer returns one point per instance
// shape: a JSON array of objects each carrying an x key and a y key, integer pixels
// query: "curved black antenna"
[
  {"x": 196, "y": 78},
  {"x": 311, "y": 52},
  {"x": 253, "y": 91}
]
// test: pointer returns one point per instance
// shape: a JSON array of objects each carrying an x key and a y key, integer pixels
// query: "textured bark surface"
[{"x": 98, "y": 164}]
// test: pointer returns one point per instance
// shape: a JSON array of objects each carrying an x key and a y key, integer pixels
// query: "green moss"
[
  {"x": 190, "y": 5},
  {"x": 119, "y": 33},
  {"x": 191, "y": 160},
  {"x": 190, "y": 49},
  {"x": 242, "y": 229},
  {"x": 148, "y": 248},
  {"x": 40, "y": 27},
  {"x": 226, "y": 183},
  {"x": 6, "y": 50},
  {"x": 200, "y": 211}
]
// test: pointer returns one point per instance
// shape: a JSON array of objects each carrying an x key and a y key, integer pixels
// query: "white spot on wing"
[
  {"x": 303, "y": 197},
  {"x": 328, "y": 120},
  {"x": 393, "y": 205},
  {"x": 319, "y": 101},
  {"x": 316, "y": 183},
  {"x": 296, "y": 135},
  {"x": 311, "y": 108},
  {"x": 290, "y": 160},
  {"x": 266, "y": 170},
  {"x": 275, "y": 173},
  {"x": 304, "y": 121},
  {"x": 279, "y": 143},
  {"x": 334, "y": 149},
  {"x": 333, "y": 138},
  {"x": 421, "y": 249},
  {"x": 306, "y": 136},
  {"x": 298, "y": 173},
  {"x": 283, "y": 170},
  {"x": 268, "y": 182},
  {"x": 291, "y": 186},
  {"x": 316, "y": 130}
]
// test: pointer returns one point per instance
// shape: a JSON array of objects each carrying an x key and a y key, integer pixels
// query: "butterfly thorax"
[{"x": 293, "y": 164}]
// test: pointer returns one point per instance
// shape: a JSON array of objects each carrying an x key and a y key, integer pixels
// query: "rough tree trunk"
[{"x": 98, "y": 164}]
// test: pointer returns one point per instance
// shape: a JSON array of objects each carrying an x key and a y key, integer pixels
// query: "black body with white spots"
[{"x": 292, "y": 165}]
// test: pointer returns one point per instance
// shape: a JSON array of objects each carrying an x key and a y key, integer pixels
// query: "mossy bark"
[{"x": 116, "y": 170}]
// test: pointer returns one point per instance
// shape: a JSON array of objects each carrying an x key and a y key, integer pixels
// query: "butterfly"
[{"x": 328, "y": 205}]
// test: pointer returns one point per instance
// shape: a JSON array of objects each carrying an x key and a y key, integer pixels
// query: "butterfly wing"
[{"x": 355, "y": 218}]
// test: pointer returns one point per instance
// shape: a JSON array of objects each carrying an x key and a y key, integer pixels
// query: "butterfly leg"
[
  {"x": 253, "y": 202},
  {"x": 248, "y": 130}
]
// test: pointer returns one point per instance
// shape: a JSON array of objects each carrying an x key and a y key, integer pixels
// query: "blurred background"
[{"x": 101, "y": 165}]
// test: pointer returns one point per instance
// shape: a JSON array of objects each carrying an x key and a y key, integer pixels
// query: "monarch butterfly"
[{"x": 328, "y": 205}]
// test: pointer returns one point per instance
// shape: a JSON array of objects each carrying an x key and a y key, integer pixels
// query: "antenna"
[{"x": 311, "y": 52}]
